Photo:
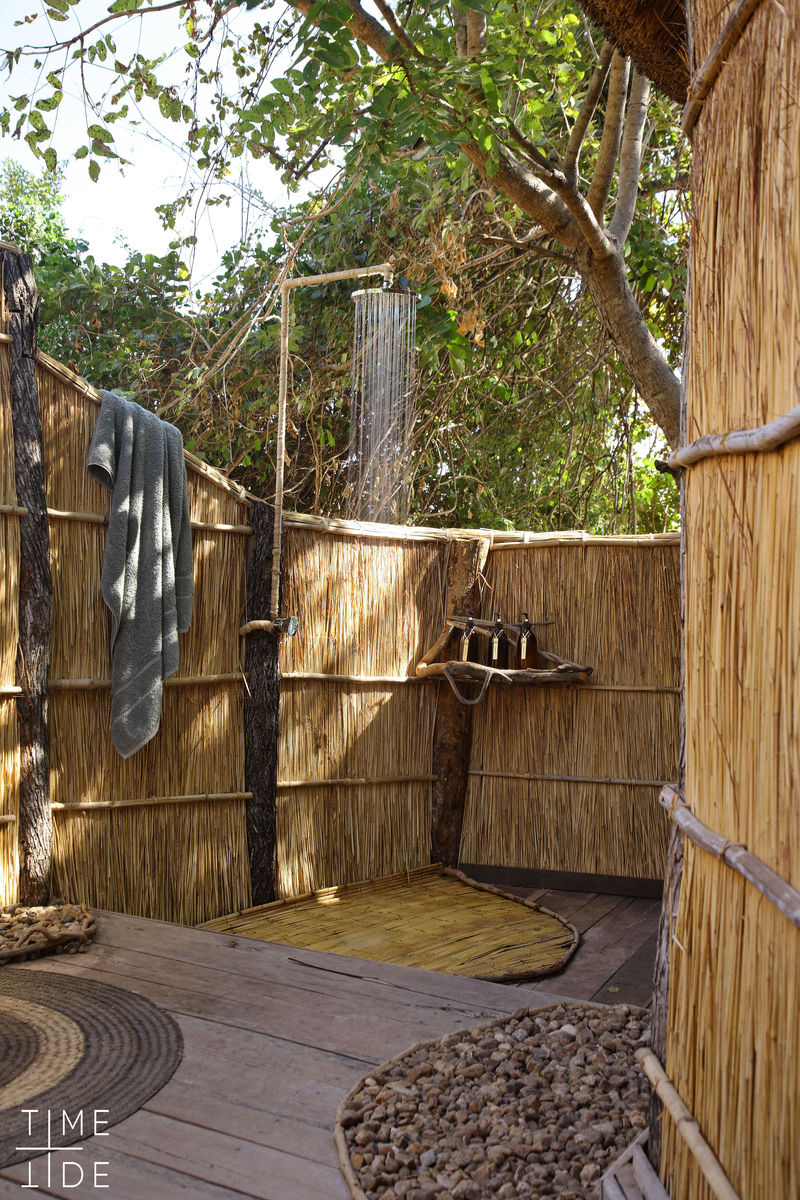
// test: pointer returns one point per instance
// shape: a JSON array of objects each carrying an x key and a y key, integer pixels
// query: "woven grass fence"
[
  {"x": 734, "y": 1025},
  {"x": 567, "y": 779},
  {"x": 9, "y": 579},
  {"x": 351, "y": 709},
  {"x": 161, "y": 834}
]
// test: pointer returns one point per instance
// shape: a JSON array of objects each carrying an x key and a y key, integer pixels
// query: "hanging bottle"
[
  {"x": 468, "y": 642},
  {"x": 498, "y": 645},
  {"x": 526, "y": 646}
]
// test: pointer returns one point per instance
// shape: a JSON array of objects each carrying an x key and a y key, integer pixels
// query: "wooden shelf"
[{"x": 551, "y": 670}]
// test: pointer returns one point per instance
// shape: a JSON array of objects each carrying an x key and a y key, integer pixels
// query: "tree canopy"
[{"x": 528, "y": 183}]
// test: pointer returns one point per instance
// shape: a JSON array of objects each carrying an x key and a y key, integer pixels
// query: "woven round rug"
[{"x": 78, "y": 1056}]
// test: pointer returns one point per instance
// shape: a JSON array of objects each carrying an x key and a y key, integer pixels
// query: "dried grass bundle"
[
  {"x": 734, "y": 1025},
  {"x": 734, "y": 1035},
  {"x": 171, "y": 862},
  {"x": 9, "y": 625},
  {"x": 9, "y": 801},
  {"x": 615, "y": 607},
  {"x": 370, "y": 608},
  {"x": 180, "y": 862}
]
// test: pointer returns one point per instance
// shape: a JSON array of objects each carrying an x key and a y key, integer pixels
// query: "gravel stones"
[{"x": 536, "y": 1105}]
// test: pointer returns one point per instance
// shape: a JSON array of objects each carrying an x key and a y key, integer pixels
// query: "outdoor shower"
[
  {"x": 382, "y": 404},
  {"x": 381, "y": 410}
]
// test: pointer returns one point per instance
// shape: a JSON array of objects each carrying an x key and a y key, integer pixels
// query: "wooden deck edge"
[
  {"x": 564, "y": 881},
  {"x": 631, "y": 1176}
]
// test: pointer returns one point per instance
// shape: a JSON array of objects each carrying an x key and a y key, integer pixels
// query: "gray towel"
[{"x": 147, "y": 568}]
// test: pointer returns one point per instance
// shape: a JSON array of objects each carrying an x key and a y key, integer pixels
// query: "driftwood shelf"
[{"x": 550, "y": 671}]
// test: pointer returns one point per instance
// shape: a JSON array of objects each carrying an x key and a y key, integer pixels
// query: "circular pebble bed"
[{"x": 535, "y": 1105}]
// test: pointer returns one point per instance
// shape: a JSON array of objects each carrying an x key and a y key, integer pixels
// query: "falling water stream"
[{"x": 382, "y": 405}]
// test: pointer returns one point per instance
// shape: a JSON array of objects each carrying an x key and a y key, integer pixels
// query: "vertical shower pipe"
[{"x": 387, "y": 271}]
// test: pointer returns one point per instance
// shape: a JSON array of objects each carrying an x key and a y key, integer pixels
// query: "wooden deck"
[
  {"x": 275, "y": 1036},
  {"x": 615, "y": 959}
]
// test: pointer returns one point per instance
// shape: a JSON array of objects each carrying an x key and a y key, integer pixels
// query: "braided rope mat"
[
  {"x": 75, "y": 1046},
  {"x": 28, "y": 932}
]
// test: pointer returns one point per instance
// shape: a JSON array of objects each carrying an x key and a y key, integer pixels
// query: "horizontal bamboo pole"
[
  {"x": 763, "y": 438},
  {"x": 686, "y": 1125},
  {"x": 58, "y": 514},
  {"x": 7, "y": 818},
  {"x": 13, "y": 510},
  {"x": 90, "y": 685},
  {"x": 718, "y": 55},
  {"x": 5, "y": 337},
  {"x": 775, "y": 889},
  {"x": 323, "y": 678},
  {"x": 498, "y": 539},
  {"x": 569, "y": 778},
  {"x": 588, "y": 539},
  {"x": 9, "y": 689},
  {"x": 149, "y": 801},
  {"x": 314, "y": 783},
  {"x": 196, "y": 464},
  {"x": 653, "y": 688}
]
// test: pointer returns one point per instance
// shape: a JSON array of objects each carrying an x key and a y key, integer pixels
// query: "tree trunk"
[
  {"x": 261, "y": 702},
  {"x": 35, "y": 830},
  {"x": 452, "y": 736},
  {"x": 650, "y": 372}
]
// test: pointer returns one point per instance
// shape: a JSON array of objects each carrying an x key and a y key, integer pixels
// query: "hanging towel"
[{"x": 147, "y": 569}]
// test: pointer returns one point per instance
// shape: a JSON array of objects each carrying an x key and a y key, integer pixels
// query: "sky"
[{"x": 120, "y": 207}]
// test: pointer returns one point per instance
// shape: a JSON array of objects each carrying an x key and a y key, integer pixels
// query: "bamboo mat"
[{"x": 430, "y": 918}]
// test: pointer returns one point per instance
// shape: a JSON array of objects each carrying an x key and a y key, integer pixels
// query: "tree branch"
[
  {"x": 396, "y": 28},
  {"x": 364, "y": 28},
  {"x": 612, "y": 135},
  {"x": 591, "y": 228},
  {"x": 630, "y": 160},
  {"x": 530, "y": 194},
  {"x": 569, "y": 163}
]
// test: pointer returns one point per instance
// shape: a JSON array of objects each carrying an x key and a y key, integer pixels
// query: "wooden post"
[
  {"x": 659, "y": 1024},
  {"x": 452, "y": 737},
  {"x": 261, "y": 712},
  {"x": 35, "y": 829}
]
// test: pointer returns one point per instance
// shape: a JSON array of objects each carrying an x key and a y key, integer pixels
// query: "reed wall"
[
  {"x": 173, "y": 859},
  {"x": 606, "y": 746},
  {"x": 368, "y": 607},
  {"x": 9, "y": 580},
  {"x": 734, "y": 1022}
]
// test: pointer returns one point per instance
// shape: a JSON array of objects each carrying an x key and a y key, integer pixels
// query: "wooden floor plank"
[
  {"x": 339, "y": 1024},
  {"x": 564, "y": 903},
  {"x": 227, "y": 1161},
  {"x": 633, "y": 982},
  {"x": 305, "y": 969},
  {"x": 274, "y": 1037},
  {"x": 129, "y": 1178},
  {"x": 605, "y": 947}
]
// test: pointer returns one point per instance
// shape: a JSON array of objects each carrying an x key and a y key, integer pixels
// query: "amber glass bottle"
[
  {"x": 498, "y": 645},
  {"x": 526, "y": 646},
  {"x": 468, "y": 642}
]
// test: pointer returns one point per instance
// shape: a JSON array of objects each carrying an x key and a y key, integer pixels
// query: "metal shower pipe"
[{"x": 387, "y": 271}]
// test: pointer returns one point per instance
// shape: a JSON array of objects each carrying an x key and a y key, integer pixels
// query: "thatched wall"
[
  {"x": 368, "y": 607},
  {"x": 9, "y": 554},
  {"x": 614, "y": 604},
  {"x": 173, "y": 859},
  {"x": 734, "y": 1022}
]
